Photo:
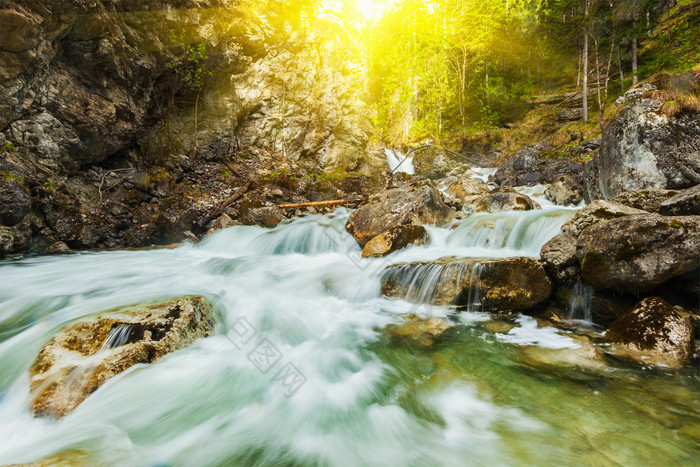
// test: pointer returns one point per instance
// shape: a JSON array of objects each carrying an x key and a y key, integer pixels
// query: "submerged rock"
[
  {"x": 565, "y": 191},
  {"x": 416, "y": 203},
  {"x": 655, "y": 332},
  {"x": 497, "y": 202},
  {"x": 649, "y": 200},
  {"x": 595, "y": 212},
  {"x": 417, "y": 331},
  {"x": 394, "y": 239},
  {"x": 500, "y": 284},
  {"x": 638, "y": 252},
  {"x": 685, "y": 203},
  {"x": 83, "y": 356}
]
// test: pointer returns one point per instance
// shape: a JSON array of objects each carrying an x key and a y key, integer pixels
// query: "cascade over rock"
[
  {"x": 644, "y": 148},
  {"x": 500, "y": 285},
  {"x": 638, "y": 252},
  {"x": 500, "y": 201},
  {"x": 83, "y": 356},
  {"x": 418, "y": 202}
]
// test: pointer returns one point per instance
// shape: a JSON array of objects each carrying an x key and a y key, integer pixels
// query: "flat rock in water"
[
  {"x": 394, "y": 239},
  {"x": 499, "y": 284},
  {"x": 415, "y": 203},
  {"x": 655, "y": 332},
  {"x": 639, "y": 252},
  {"x": 83, "y": 356},
  {"x": 418, "y": 331}
]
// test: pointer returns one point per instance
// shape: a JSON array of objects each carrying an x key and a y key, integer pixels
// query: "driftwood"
[
  {"x": 332, "y": 202},
  {"x": 222, "y": 206},
  {"x": 228, "y": 165}
]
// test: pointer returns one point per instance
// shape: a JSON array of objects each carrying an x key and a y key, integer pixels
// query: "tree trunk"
[
  {"x": 486, "y": 67},
  {"x": 634, "y": 54},
  {"x": 196, "y": 114},
  {"x": 622, "y": 73},
  {"x": 578, "y": 75}
]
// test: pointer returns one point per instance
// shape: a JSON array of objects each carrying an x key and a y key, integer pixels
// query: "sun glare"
[{"x": 370, "y": 10}]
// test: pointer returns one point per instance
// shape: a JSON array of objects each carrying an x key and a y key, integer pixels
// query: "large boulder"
[
  {"x": 654, "y": 331},
  {"x": 559, "y": 258},
  {"x": 394, "y": 239},
  {"x": 418, "y": 202},
  {"x": 83, "y": 356},
  {"x": 500, "y": 201},
  {"x": 645, "y": 148},
  {"x": 467, "y": 189},
  {"x": 685, "y": 203},
  {"x": 595, "y": 212},
  {"x": 649, "y": 200},
  {"x": 565, "y": 191},
  {"x": 500, "y": 285},
  {"x": 639, "y": 252},
  {"x": 531, "y": 165}
]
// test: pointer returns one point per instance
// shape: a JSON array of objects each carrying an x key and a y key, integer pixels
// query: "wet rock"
[
  {"x": 559, "y": 258},
  {"x": 644, "y": 148},
  {"x": 415, "y": 203},
  {"x": 394, "y": 239},
  {"x": 529, "y": 167},
  {"x": 419, "y": 332},
  {"x": 655, "y": 332},
  {"x": 565, "y": 191},
  {"x": 595, "y": 212},
  {"x": 467, "y": 189},
  {"x": 15, "y": 202},
  {"x": 83, "y": 356},
  {"x": 500, "y": 285},
  {"x": 224, "y": 221},
  {"x": 647, "y": 200},
  {"x": 638, "y": 252},
  {"x": 262, "y": 214},
  {"x": 584, "y": 354},
  {"x": 685, "y": 203},
  {"x": 174, "y": 219},
  {"x": 439, "y": 167},
  {"x": 496, "y": 202}
]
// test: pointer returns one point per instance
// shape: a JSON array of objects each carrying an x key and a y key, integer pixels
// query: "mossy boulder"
[
  {"x": 499, "y": 284},
  {"x": 394, "y": 239},
  {"x": 638, "y": 252},
  {"x": 500, "y": 201},
  {"x": 84, "y": 355},
  {"x": 418, "y": 202},
  {"x": 595, "y": 212},
  {"x": 654, "y": 331}
]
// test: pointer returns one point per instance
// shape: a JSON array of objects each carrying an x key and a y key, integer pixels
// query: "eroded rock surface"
[
  {"x": 638, "y": 252},
  {"x": 500, "y": 201},
  {"x": 595, "y": 212},
  {"x": 684, "y": 203},
  {"x": 83, "y": 356},
  {"x": 565, "y": 191},
  {"x": 394, "y": 239},
  {"x": 559, "y": 258},
  {"x": 649, "y": 200}
]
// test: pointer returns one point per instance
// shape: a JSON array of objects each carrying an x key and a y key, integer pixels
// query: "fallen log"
[
  {"x": 332, "y": 202},
  {"x": 221, "y": 207}
]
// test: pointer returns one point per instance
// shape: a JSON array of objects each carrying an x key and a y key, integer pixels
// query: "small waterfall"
[
  {"x": 523, "y": 231},
  {"x": 455, "y": 283},
  {"x": 580, "y": 301},
  {"x": 117, "y": 337},
  {"x": 394, "y": 158}
]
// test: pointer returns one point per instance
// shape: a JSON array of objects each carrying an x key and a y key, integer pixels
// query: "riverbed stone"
[
  {"x": 595, "y": 212},
  {"x": 500, "y": 201},
  {"x": 418, "y": 202},
  {"x": 654, "y": 331},
  {"x": 466, "y": 188},
  {"x": 74, "y": 364},
  {"x": 417, "y": 331},
  {"x": 394, "y": 239},
  {"x": 638, "y": 252},
  {"x": 492, "y": 284}
]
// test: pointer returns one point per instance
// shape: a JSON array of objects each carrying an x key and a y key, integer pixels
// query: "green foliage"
[
  {"x": 9, "y": 147},
  {"x": 191, "y": 64}
]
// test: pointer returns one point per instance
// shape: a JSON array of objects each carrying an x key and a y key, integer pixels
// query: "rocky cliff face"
[{"x": 89, "y": 86}]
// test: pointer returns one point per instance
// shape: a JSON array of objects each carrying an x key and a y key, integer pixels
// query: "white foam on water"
[{"x": 528, "y": 333}]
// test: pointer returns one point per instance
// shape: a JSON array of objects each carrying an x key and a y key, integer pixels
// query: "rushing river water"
[{"x": 487, "y": 395}]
